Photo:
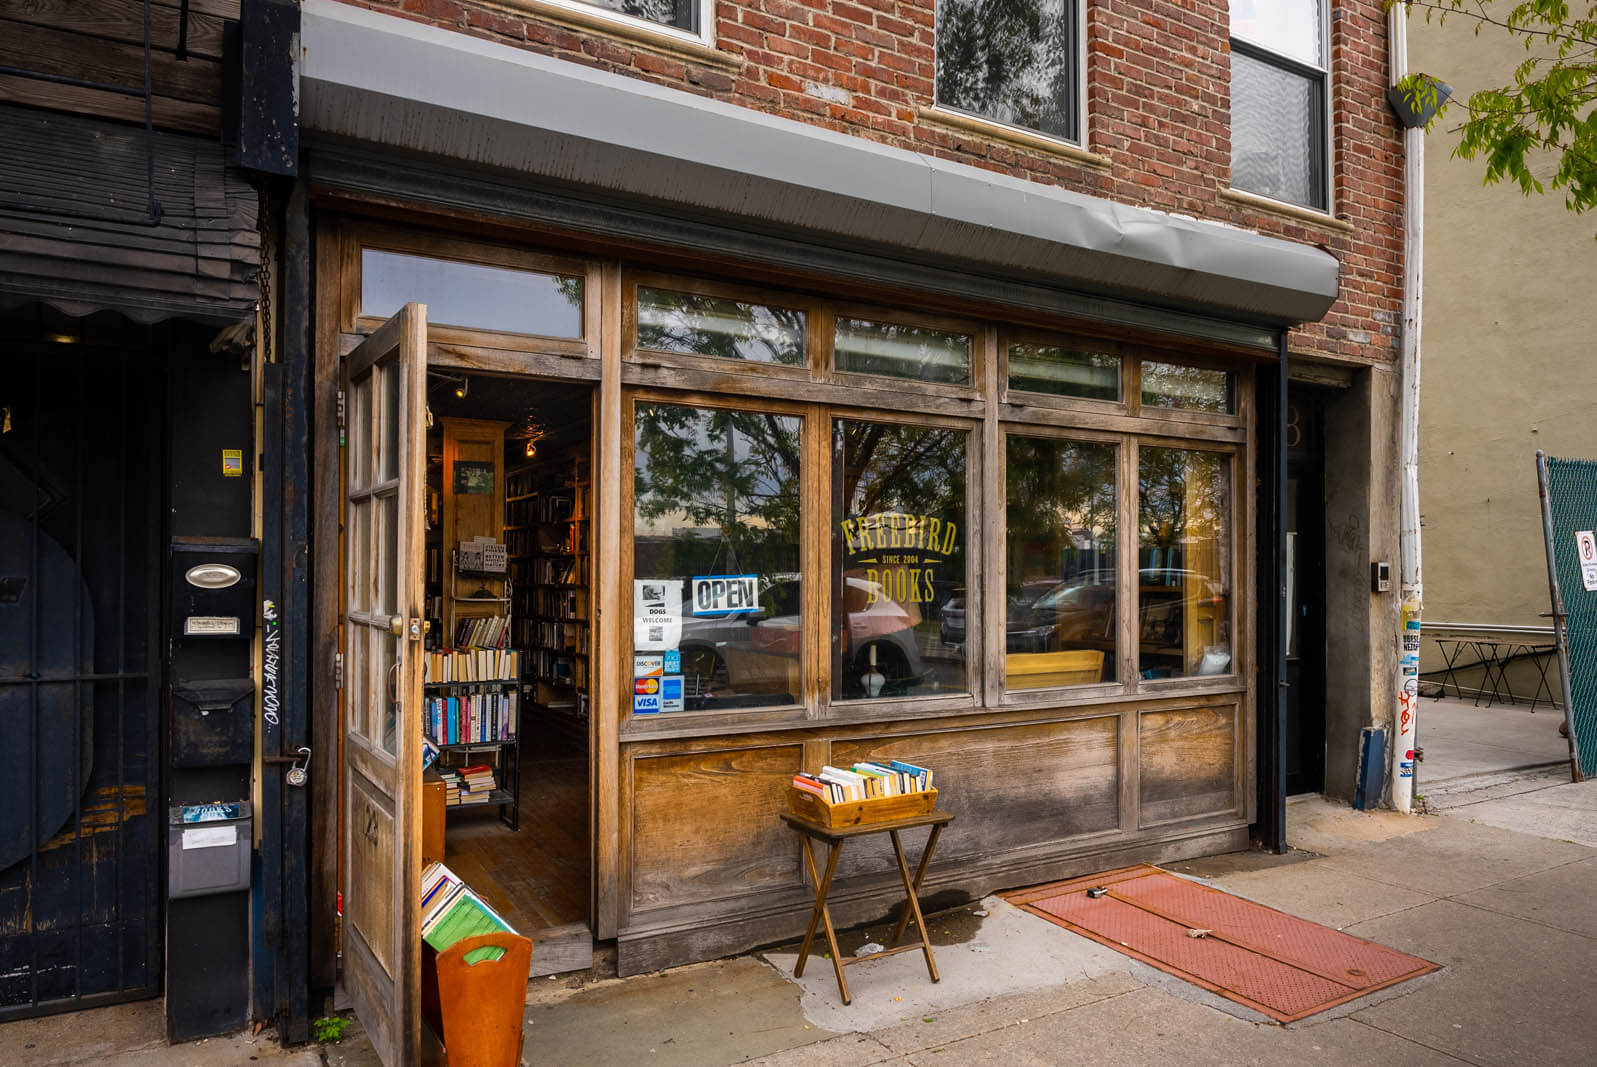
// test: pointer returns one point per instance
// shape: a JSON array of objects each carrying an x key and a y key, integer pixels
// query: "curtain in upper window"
[
  {"x": 1278, "y": 100},
  {"x": 1012, "y": 61}
]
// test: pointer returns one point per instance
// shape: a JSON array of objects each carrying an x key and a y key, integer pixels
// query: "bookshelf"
[
  {"x": 471, "y": 712},
  {"x": 471, "y": 701},
  {"x": 547, "y": 539}
]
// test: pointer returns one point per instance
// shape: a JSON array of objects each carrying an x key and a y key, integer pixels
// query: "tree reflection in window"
[
  {"x": 899, "y": 537},
  {"x": 1173, "y": 385},
  {"x": 1013, "y": 61},
  {"x": 671, "y": 321},
  {"x": 716, "y": 492},
  {"x": 1184, "y": 562},
  {"x": 1060, "y": 623}
]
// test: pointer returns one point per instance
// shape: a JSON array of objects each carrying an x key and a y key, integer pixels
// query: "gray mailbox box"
[{"x": 208, "y": 849}]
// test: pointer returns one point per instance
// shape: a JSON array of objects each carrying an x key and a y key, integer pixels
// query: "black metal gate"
[{"x": 80, "y": 523}]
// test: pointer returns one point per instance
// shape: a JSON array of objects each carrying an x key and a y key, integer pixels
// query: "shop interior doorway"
[{"x": 506, "y": 802}]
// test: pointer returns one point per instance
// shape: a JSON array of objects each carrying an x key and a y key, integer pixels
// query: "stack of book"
[
  {"x": 451, "y": 777},
  {"x": 865, "y": 781},
  {"x": 465, "y": 786},
  {"x": 451, "y": 912},
  {"x": 477, "y": 783}
]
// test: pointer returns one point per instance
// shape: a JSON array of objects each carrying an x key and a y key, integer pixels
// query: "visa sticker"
[{"x": 645, "y": 705}]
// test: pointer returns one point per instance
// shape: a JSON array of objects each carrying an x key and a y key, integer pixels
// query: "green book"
[{"x": 467, "y": 917}]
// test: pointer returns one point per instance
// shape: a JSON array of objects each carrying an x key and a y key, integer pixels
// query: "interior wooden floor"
[{"x": 535, "y": 876}]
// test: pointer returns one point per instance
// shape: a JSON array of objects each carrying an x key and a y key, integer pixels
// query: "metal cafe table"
[{"x": 811, "y": 827}]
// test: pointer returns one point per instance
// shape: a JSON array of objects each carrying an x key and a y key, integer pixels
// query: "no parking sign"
[{"x": 1586, "y": 553}]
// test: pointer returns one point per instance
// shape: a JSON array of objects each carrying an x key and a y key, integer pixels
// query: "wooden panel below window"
[
  {"x": 1188, "y": 763},
  {"x": 705, "y": 826},
  {"x": 1009, "y": 788}
]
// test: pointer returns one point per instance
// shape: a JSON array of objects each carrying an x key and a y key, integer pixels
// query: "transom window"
[
  {"x": 1278, "y": 100},
  {"x": 1012, "y": 61}
]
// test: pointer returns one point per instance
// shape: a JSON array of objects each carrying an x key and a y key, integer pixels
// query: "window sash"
[
  {"x": 1072, "y": 21},
  {"x": 700, "y": 17},
  {"x": 1318, "y": 81}
]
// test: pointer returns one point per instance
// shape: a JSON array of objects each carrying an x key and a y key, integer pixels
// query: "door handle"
[{"x": 396, "y": 625}]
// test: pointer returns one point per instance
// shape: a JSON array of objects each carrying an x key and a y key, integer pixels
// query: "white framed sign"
[{"x": 1586, "y": 554}]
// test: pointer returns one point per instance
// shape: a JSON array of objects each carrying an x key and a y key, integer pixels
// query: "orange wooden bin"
[{"x": 476, "y": 1008}]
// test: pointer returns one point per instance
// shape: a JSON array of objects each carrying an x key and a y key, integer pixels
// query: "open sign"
[{"x": 726, "y": 594}]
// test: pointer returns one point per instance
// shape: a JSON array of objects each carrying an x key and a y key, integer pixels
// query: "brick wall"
[{"x": 1158, "y": 111}]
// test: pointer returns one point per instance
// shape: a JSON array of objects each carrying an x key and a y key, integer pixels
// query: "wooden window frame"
[
  {"x": 989, "y": 412},
  {"x": 972, "y": 328},
  {"x": 1125, "y": 663},
  {"x": 1173, "y": 415},
  {"x": 920, "y": 707},
  {"x": 718, "y": 722},
  {"x": 715, "y": 366},
  {"x": 476, "y": 345},
  {"x": 1021, "y": 400},
  {"x": 1237, "y": 675}
]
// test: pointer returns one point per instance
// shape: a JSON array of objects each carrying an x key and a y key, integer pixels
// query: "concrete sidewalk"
[{"x": 1507, "y": 912}]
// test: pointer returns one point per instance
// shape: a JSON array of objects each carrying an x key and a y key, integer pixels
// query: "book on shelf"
[
  {"x": 560, "y": 571},
  {"x": 487, "y": 631},
  {"x": 456, "y": 665},
  {"x": 452, "y": 912},
  {"x": 471, "y": 718}
]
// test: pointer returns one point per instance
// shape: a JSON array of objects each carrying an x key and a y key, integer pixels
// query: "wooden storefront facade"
[{"x": 688, "y": 859}]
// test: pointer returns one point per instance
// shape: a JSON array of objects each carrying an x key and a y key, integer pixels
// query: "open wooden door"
[{"x": 385, "y": 458}]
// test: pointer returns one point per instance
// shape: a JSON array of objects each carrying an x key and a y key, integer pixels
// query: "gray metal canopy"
[{"x": 384, "y": 80}]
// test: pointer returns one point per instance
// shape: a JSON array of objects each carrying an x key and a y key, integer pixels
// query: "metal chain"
[{"x": 268, "y": 228}]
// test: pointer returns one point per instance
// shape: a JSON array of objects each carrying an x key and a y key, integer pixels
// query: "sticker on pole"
[{"x": 1586, "y": 553}]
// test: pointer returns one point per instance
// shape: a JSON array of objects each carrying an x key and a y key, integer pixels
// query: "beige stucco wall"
[{"x": 1510, "y": 354}]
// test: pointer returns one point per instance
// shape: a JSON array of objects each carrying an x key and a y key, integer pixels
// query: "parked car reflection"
[{"x": 752, "y": 660}]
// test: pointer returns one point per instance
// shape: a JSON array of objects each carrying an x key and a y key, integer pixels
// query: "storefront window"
[
  {"x": 916, "y": 352},
  {"x": 1059, "y": 614},
  {"x": 1064, "y": 370},
  {"x": 1184, "y": 563},
  {"x": 717, "y": 615},
  {"x": 471, "y": 294},
  {"x": 899, "y": 537},
  {"x": 1170, "y": 385},
  {"x": 670, "y": 321}
]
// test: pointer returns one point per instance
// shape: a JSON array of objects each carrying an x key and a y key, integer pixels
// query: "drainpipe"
[{"x": 1409, "y": 538}]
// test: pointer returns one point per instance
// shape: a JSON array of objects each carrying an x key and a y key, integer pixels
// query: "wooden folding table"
[{"x": 834, "y": 838}]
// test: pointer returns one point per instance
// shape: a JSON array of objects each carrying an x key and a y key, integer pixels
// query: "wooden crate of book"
[
  {"x": 868, "y": 792},
  {"x": 860, "y": 812}
]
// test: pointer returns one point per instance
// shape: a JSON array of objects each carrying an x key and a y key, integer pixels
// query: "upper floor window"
[
  {"x": 691, "y": 17},
  {"x": 1012, "y": 61},
  {"x": 1278, "y": 100}
]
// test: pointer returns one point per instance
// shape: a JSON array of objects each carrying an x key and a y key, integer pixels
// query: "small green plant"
[{"x": 329, "y": 1029}]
